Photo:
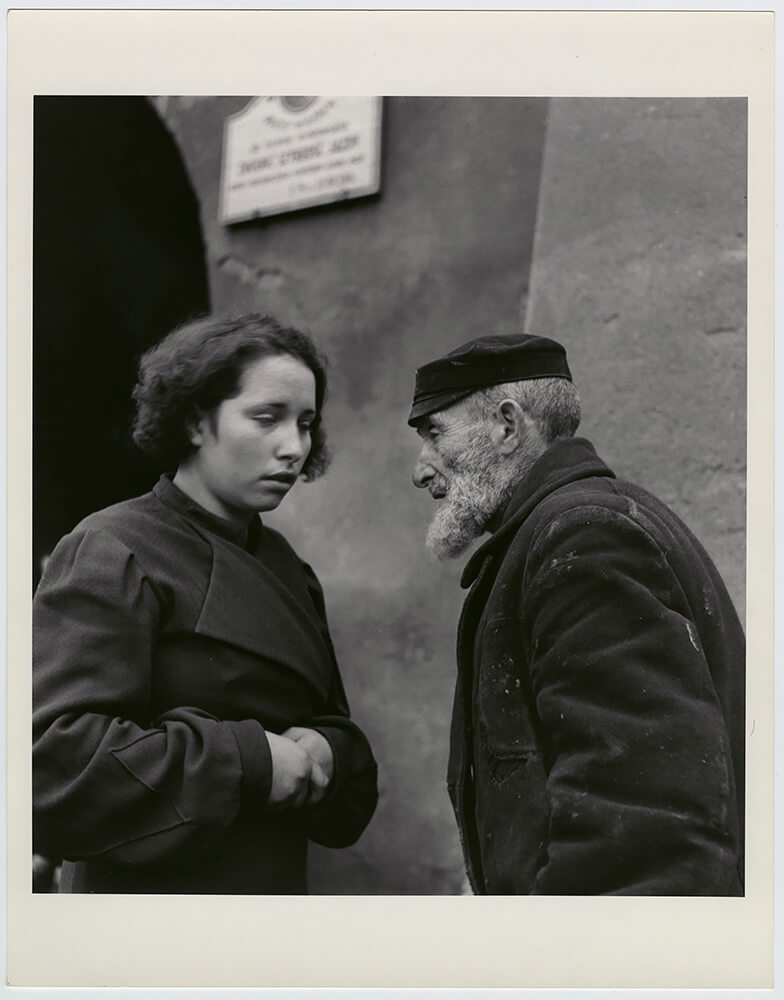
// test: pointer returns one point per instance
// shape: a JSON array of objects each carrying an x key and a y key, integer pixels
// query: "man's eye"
[{"x": 306, "y": 426}]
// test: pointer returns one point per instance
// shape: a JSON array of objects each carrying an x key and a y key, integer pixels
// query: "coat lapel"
[{"x": 247, "y": 605}]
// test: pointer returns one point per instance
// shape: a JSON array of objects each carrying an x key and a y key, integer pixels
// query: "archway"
[{"x": 118, "y": 260}]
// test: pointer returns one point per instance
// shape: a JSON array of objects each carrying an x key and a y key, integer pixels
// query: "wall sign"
[{"x": 284, "y": 153}]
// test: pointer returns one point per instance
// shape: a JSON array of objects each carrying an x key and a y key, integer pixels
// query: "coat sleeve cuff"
[
  {"x": 256, "y": 762},
  {"x": 340, "y": 744}
]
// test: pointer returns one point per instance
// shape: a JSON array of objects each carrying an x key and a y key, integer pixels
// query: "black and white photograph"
[{"x": 389, "y": 506}]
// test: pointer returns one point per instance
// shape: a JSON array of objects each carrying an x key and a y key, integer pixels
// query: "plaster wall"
[
  {"x": 384, "y": 284},
  {"x": 639, "y": 268}
]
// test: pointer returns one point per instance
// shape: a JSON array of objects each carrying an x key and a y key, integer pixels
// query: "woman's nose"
[{"x": 292, "y": 443}]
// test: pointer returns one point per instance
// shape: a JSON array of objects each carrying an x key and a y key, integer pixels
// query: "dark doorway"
[{"x": 118, "y": 260}]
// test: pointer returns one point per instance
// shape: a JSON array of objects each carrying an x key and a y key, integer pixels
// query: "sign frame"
[{"x": 285, "y": 154}]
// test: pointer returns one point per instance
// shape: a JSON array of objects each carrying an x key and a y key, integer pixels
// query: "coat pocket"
[{"x": 504, "y": 697}]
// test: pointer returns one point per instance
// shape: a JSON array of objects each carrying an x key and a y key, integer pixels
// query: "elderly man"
[{"x": 598, "y": 729}]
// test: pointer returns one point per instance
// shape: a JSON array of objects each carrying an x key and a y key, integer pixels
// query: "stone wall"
[
  {"x": 384, "y": 284},
  {"x": 639, "y": 267},
  {"x": 640, "y": 270}
]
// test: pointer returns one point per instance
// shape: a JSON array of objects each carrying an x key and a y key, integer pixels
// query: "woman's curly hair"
[{"x": 199, "y": 365}]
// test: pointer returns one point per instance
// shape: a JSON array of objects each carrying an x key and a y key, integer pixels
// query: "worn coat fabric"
[
  {"x": 598, "y": 730},
  {"x": 166, "y": 644}
]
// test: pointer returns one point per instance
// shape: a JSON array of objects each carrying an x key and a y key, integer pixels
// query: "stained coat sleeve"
[
  {"x": 339, "y": 819},
  {"x": 108, "y": 781},
  {"x": 639, "y": 787}
]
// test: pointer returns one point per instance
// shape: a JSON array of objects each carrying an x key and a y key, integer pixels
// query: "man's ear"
[{"x": 511, "y": 426}]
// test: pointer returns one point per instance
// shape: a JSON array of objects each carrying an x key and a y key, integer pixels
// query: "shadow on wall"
[{"x": 118, "y": 260}]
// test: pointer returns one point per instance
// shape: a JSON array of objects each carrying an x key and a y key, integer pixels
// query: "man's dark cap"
[{"x": 483, "y": 362}]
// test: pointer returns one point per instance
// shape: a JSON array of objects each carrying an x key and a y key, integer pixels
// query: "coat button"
[{"x": 471, "y": 771}]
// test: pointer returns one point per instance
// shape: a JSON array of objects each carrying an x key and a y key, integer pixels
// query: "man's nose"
[{"x": 423, "y": 473}]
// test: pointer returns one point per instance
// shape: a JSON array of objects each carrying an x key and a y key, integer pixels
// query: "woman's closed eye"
[{"x": 265, "y": 419}]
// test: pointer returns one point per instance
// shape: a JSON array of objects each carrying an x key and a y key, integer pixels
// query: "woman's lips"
[{"x": 281, "y": 478}]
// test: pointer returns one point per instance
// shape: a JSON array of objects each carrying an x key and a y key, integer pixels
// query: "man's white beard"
[{"x": 474, "y": 496}]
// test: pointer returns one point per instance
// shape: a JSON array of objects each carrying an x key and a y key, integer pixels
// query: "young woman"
[{"x": 191, "y": 732}]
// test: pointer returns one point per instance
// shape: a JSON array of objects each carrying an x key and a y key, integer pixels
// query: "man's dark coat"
[{"x": 598, "y": 731}]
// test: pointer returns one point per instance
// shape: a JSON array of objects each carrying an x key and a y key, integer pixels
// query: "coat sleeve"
[
  {"x": 108, "y": 781},
  {"x": 339, "y": 819},
  {"x": 639, "y": 787}
]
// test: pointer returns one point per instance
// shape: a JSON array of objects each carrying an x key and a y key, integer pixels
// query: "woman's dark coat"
[
  {"x": 166, "y": 641},
  {"x": 598, "y": 732}
]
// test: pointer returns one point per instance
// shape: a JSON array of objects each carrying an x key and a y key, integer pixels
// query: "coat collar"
[
  {"x": 565, "y": 461},
  {"x": 244, "y": 535}
]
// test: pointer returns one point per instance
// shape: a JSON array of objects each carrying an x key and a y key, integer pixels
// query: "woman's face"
[{"x": 251, "y": 448}]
